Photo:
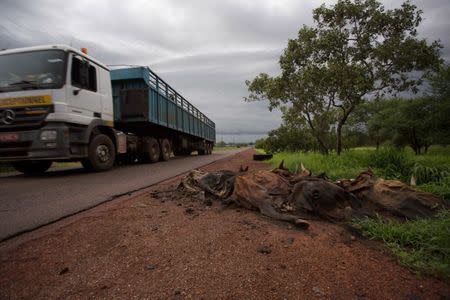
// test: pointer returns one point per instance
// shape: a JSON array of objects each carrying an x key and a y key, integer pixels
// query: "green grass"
[
  {"x": 347, "y": 165},
  {"x": 423, "y": 245}
]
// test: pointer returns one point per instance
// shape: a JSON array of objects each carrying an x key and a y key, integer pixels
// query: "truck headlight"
[{"x": 48, "y": 135}]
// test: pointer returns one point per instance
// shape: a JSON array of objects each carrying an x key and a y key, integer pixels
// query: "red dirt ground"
[{"x": 142, "y": 247}]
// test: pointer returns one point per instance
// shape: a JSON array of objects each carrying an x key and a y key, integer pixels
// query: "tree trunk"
[
  {"x": 415, "y": 144},
  {"x": 323, "y": 148},
  {"x": 339, "y": 128},
  {"x": 339, "y": 138}
]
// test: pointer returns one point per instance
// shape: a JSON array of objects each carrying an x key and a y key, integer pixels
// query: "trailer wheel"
[
  {"x": 150, "y": 151},
  {"x": 32, "y": 167},
  {"x": 165, "y": 150},
  {"x": 101, "y": 154},
  {"x": 202, "y": 152}
]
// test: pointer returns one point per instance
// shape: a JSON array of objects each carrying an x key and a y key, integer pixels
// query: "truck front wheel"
[
  {"x": 101, "y": 154},
  {"x": 32, "y": 167}
]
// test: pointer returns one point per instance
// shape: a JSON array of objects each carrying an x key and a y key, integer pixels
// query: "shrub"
[
  {"x": 426, "y": 174},
  {"x": 391, "y": 162}
]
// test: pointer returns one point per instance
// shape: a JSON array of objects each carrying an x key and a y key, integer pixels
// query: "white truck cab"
[
  {"x": 53, "y": 101},
  {"x": 59, "y": 104}
]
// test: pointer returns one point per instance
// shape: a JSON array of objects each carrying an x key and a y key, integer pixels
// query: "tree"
[
  {"x": 440, "y": 82},
  {"x": 418, "y": 122},
  {"x": 355, "y": 50},
  {"x": 292, "y": 135}
]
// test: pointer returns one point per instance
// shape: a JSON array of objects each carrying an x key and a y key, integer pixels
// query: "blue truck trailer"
[
  {"x": 60, "y": 104},
  {"x": 144, "y": 103}
]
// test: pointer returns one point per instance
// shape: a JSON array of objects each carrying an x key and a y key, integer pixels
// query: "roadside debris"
[
  {"x": 64, "y": 271},
  {"x": 264, "y": 249},
  {"x": 260, "y": 156},
  {"x": 150, "y": 266},
  {"x": 300, "y": 196}
]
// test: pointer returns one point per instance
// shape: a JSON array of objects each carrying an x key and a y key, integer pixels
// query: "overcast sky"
[{"x": 204, "y": 49}]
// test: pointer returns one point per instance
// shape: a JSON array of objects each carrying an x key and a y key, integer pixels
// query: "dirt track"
[{"x": 143, "y": 247}]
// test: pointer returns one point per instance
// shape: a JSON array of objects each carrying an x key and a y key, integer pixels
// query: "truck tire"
[
  {"x": 150, "y": 150},
  {"x": 165, "y": 150},
  {"x": 202, "y": 152},
  {"x": 31, "y": 167},
  {"x": 101, "y": 154}
]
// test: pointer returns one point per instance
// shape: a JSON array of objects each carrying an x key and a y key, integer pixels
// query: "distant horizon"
[{"x": 239, "y": 137}]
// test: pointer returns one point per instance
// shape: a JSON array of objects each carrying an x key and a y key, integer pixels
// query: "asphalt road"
[{"x": 29, "y": 202}]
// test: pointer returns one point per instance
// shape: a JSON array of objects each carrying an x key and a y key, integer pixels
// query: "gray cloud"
[{"x": 204, "y": 49}]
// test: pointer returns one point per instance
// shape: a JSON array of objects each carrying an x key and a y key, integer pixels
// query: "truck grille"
[
  {"x": 14, "y": 149},
  {"x": 23, "y": 118}
]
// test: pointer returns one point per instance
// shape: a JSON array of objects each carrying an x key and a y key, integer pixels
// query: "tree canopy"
[{"x": 355, "y": 51}]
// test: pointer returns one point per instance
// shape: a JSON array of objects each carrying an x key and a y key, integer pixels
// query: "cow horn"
[
  {"x": 296, "y": 170},
  {"x": 303, "y": 167},
  {"x": 281, "y": 166}
]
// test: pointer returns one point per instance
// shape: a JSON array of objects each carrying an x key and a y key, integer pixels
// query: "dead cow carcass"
[
  {"x": 267, "y": 192},
  {"x": 392, "y": 197},
  {"x": 219, "y": 184},
  {"x": 323, "y": 198}
]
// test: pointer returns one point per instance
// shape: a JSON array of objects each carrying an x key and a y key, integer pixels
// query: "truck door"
[{"x": 83, "y": 95}]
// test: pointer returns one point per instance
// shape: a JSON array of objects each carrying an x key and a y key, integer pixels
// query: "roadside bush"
[
  {"x": 427, "y": 174},
  {"x": 423, "y": 245},
  {"x": 391, "y": 163},
  {"x": 260, "y": 143}
]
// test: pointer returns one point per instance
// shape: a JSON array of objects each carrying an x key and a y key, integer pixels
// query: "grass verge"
[{"x": 423, "y": 245}]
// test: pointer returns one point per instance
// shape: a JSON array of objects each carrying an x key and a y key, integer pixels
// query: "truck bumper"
[{"x": 27, "y": 145}]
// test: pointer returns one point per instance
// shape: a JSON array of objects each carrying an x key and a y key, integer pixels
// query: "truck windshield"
[{"x": 32, "y": 70}]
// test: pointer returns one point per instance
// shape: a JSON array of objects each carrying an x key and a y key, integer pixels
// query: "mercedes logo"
[{"x": 7, "y": 116}]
